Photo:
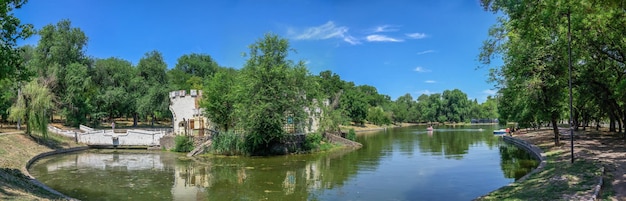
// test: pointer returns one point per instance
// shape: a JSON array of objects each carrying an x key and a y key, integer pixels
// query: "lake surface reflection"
[{"x": 459, "y": 163}]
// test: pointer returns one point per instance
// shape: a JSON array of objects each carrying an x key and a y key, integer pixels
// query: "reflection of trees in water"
[
  {"x": 515, "y": 162},
  {"x": 454, "y": 144},
  {"x": 274, "y": 178}
]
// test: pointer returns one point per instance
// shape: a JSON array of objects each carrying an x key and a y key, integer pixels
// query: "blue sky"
[{"x": 397, "y": 46}]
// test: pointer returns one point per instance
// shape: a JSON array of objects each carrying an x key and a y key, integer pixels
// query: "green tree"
[
  {"x": 533, "y": 42},
  {"x": 78, "y": 96},
  {"x": 33, "y": 102},
  {"x": 271, "y": 92},
  {"x": 152, "y": 87},
  {"x": 456, "y": 105},
  {"x": 402, "y": 108},
  {"x": 219, "y": 98},
  {"x": 191, "y": 66},
  {"x": 60, "y": 46},
  {"x": 355, "y": 106},
  {"x": 12, "y": 31},
  {"x": 377, "y": 116},
  {"x": 115, "y": 92}
]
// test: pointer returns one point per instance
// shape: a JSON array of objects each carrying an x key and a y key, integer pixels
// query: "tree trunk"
[
  {"x": 152, "y": 121},
  {"x": 622, "y": 120},
  {"x": 27, "y": 117},
  {"x": 135, "y": 117},
  {"x": 555, "y": 128},
  {"x": 612, "y": 123}
]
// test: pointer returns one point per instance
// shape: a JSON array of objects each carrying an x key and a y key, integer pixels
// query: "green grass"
[{"x": 558, "y": 178}]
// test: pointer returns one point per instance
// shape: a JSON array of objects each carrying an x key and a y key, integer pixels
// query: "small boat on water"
[{"x": 499, "y": 132}]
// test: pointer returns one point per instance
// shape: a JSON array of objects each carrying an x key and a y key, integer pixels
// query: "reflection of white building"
[
  {"x": 190, "y": 182},
  {"x": 188, "y": 117}
]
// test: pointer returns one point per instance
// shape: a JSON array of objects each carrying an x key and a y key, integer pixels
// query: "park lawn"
[
  {"x": 15, "y": 151},
  {"x": 559, "y": 180}
]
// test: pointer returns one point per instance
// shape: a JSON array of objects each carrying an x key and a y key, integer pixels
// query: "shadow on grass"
[
  {"x": 53, "y": 141},
  {"x": 14, "y": 179}
]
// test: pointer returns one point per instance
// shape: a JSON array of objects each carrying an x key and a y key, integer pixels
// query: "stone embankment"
[
  {"x": 334, "y": 138},
  {"x": 532, "y": 150},
  {"x": 33, "y": 180}
]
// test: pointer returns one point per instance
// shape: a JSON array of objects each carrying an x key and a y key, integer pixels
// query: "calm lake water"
[{"x": 458, "y": 163}]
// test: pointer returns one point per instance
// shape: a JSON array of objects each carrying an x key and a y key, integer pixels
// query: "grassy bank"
[
  {"x": 560, "y": 179},
  {"x": 15, "y": 151}
]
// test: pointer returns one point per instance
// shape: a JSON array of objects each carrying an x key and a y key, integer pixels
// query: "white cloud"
[
  {"x": 420, "y": 69},
  {"x": 425, "y": 92},
  {"x": 425, "y": 52},
  {"x": 430, "y": 81},
  {"x": 490, "y": 92},
  {"x": 351, "y": 40},
  {"x": 323, "y": 32},
  {"x": 416, "y": 35},
  {"x": 381, "y": 38},
  {"x": 384, "y": 28}
]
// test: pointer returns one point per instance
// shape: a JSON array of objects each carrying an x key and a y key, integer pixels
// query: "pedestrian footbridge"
[{"x": 130, "y": 137}]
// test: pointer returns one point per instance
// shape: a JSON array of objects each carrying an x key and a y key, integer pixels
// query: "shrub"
[
  {"x": 183, "y": 143},
  {"x": 312, "y": 141},
  {"x": 351, "y": 135},
  {"x": 229, "y": 143}
]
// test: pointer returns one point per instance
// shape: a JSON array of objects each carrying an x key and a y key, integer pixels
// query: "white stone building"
[{"x": 188, "y": 118}]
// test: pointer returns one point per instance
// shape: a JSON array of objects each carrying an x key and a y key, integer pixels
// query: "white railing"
[{"x": 134, "y": 137}]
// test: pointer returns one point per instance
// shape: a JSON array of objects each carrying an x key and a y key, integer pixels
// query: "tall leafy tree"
[
  {"x": 78, "y": 96},
  {"x": 32, "y": 105},
  {"x": 402, "y": 108},
  {"x": 354, "y": 105},
  {"x": 152, "y": 87},
  {"x": 219, "y": 98},
  {"x": 191, "y": 66},
  {"x": 116, "y": 95},
  {"x": 533, "y": 42},
  {"x": 12, "y": 31},
  {"x": 60, "y": 46},
  {"x": 271, "y": 92},
  {"x": 456, "y": 105}
]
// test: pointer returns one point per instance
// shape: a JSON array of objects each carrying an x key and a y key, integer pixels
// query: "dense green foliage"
[
  {"x": 312, "y": 141},
  {"x": 272, "y": 92},
  {"x": 351, "y": 135},
  {"x": 12, "y": 31},
  {"x": 533, "y": 39},
  {"x": 183, "y": 143},
  {"x": 450, "y": 106}
]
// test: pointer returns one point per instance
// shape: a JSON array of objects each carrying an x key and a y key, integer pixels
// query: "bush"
[
  {"x": 183, "y": 144},
  {"x": 229, "y": 143},
  {"x": 312, "y": 141},
  {"x": 351, "y": 135}
]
